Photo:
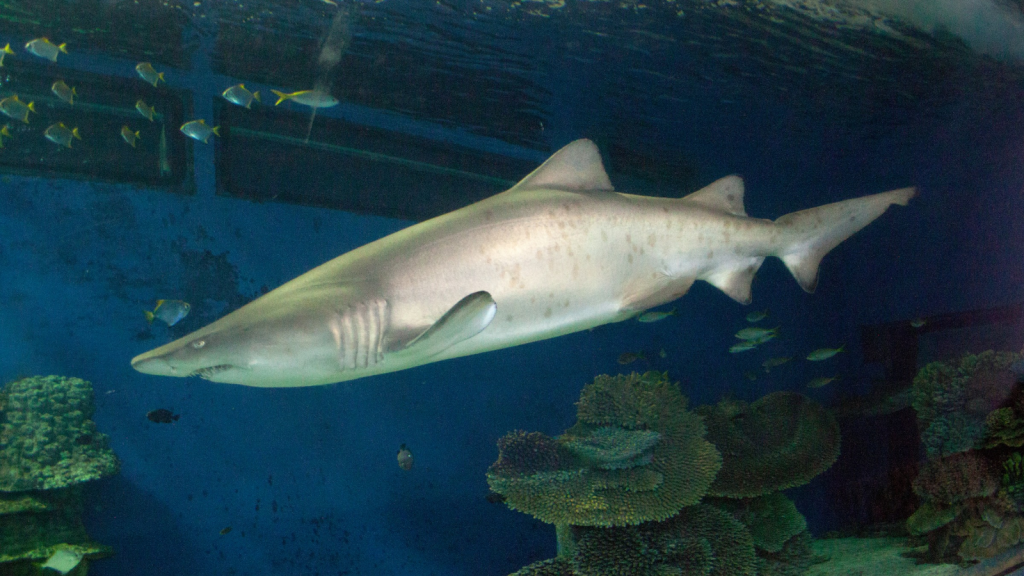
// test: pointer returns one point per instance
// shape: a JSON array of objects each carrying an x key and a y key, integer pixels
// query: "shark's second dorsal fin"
[
  {"x": 576, "y": 167},
  {"x": 724, "y": 194},
  {"x": 466, "y": 319}
]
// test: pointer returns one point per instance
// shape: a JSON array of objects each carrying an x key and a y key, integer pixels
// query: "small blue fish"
[
  {"x": 170, "y": 311},
  {"x": 648, "y": 317}
]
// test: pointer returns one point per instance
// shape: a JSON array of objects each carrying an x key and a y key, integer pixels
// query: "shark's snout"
[{"x": 156, "y": 365}]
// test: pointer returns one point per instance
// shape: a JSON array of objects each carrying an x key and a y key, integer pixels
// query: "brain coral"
[
  {"x": 636, "y": 455},
  {"x": 771, "y": 519},
  {"x": 47, "y": 439},
  {"x": 700, "y": 541},
  {"x": 778, "y": 442},
  {"x": 952, "y": 399}
]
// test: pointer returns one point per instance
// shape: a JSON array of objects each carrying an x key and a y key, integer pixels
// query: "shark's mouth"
[{"x": 206, "y": 373}]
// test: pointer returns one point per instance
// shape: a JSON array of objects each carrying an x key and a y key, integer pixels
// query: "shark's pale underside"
[{"x": 560, "y": 252}]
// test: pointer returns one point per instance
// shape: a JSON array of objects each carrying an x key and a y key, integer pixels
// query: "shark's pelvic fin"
[
  {"x": 735, "y": 282},
  {"x": 810, "y": 234},
  {"x": 466, "y": 319},
  {"x": 725, "y": 194},
  {"x": 577, "y": 168}
]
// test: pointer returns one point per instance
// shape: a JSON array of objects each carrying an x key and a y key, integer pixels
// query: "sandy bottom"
[{"x": 871, "y": 557}]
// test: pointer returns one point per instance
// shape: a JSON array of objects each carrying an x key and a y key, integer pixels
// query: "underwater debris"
[
  {"x": 780, "y": 441},
  {"x": 43, "y": 417},
  {"x": 635, "y": 455}
]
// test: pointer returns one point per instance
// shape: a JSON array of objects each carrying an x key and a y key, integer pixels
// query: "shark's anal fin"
[
  {"x": 466, "y": 319},
  {"x": 736, "y": 279}
]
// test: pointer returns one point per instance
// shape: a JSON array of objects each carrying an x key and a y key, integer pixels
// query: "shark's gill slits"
[{"x": 206, "y": 373}]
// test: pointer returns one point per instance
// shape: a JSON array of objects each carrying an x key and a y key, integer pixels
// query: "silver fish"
[
  {"x": 146, "y": 110},
  {"x": 43, "y": 48},
  {"x": 311, "y": 98},
  {"x": 60, "y": 134},
  {"x": 506, "y": 271},
  {"x": 15, "y": 108},
  {"x": 146, "y": 71},
  {"x": 199, "y": 130},
  {"x": 755, "y": 317},
  {"x": 756, "y": 333},
  {"x": 170, "y": 311},
  {"x": 64, "y": 92},
  {"x": 238, "y": 94}
]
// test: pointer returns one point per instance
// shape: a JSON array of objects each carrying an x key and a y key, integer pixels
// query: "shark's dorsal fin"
[
  {"x": 466, "y": 319},
  {"x": 576, "y": 167},
  {"x": 724, "y": 194}
]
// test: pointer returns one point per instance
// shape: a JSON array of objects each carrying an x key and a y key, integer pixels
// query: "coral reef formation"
[
  {"x": 48, "y": 447},
  {"x": 781, "y": 441},
  {"x": 771, "y": 519},
  {"x": 954, "y": 399},
  {"x": 701, "y": 539},
  {"x": 972, "y": 488},
  {"x": 47, "y": 437},
  {"x": 626, "y": 485},
  {"x": 637, "y": 454}
]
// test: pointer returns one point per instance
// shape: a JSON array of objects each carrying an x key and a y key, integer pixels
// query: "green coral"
[
  {"x": 930, "y": 516},
  {"x": 613, "y": 448},
  {"x": 34, "y": 533},
  {"x": 699, "y": 541},
  {"x": 780, "y": 441},
  {"x": 552, "y": 567},
  {"x": 794, "y": 558},
  {"x": 637, "y": 454},
  {"x": 771, "y": 519},
  {"x": 986, "y": 538},
  {"x": 952, "y": 399},
  {"x": 47, "y": 439},
  {"x": 1004, "y": 427}
]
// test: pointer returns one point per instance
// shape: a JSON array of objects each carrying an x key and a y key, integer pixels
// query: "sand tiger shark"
[{"x": 559, "y": 252}]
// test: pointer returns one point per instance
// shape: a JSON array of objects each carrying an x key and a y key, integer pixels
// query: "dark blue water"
[{"x": 307, "y": 478}]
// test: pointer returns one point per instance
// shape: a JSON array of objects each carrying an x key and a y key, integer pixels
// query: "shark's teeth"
[{"x": 206, "y": 373}]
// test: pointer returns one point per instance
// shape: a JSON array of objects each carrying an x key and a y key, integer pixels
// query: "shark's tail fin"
[{"x": 808, "y": 235}]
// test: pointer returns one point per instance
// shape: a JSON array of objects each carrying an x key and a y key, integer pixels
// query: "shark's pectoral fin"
[
  {"x": 466, "y": 319},
  {"x": 643, "y": 294},
  {"x": 735, "y": 279}
]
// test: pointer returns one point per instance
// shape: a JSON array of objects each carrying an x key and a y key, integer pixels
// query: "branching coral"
[
  {"x": 771, "y": 519},
  {"x": 47, "y": 439},
  {"x": 700, "y": 541},
  {"x": 781, "y": 441},
  {"x": 952, "y": 399},
  {"x": 637, "y": 454}
]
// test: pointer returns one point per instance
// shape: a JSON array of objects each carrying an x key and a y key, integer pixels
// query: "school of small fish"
[
  {"x": 58, "y": 132},
  {"x": 749, "y": 338}
]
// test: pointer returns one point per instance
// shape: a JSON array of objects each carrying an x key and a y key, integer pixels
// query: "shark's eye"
[{"x": 199, "y": 344}]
